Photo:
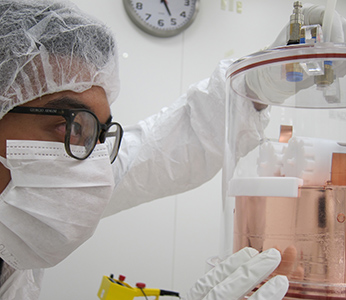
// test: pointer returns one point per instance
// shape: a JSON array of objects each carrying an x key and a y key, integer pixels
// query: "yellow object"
[{"x": 113, "y": 289}]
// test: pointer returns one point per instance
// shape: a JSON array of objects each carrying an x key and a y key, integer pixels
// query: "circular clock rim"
[{"x": 156, "y": 31}]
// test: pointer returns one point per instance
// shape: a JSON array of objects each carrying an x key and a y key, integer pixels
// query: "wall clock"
[{"x": 162, "y": 18}]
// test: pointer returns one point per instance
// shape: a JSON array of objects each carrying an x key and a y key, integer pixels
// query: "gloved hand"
[
  {"x": 313, "y": 14},
  {"x": 267, "y": 83},
  {"x": 238, "y": 274}
]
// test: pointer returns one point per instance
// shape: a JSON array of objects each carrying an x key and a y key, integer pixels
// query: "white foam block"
[{"x": 265, "y": 186}]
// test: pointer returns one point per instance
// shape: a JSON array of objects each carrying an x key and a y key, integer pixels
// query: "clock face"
[{"x": 162, "y": 18}]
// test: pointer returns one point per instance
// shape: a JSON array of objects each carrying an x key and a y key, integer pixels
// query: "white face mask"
[{"x": 53, "y": 202}]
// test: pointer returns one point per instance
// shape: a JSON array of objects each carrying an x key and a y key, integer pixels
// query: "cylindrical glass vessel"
[{"x": 284, "y": 175}]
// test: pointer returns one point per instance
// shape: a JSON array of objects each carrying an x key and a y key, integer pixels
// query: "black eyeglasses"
[{"x": 83, "y": 130}]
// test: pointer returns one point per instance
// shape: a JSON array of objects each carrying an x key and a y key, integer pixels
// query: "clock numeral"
[
  {"x": 183, "y": 14},
  {"x": 148, "y": 17},
  {"x": 160, "y": 23},
  {"x": 187, "y": 3},
  {"x": 173, "y": 21},
  {"x": 139, "y": 5}
]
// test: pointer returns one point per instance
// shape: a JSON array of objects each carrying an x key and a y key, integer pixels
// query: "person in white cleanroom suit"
[{"x": 59, "y": 75}]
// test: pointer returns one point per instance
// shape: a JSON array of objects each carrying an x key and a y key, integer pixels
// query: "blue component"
[{"x": 294, "y": 76}]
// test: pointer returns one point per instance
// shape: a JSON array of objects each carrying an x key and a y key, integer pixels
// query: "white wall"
[{"x": 165, "y": 243}]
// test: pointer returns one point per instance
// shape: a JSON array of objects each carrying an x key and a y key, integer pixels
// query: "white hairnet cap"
[{"x": 50, "y": 46}]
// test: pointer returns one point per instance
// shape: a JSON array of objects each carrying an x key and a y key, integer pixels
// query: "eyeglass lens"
[
  {"x": 113, "y": 136},
  {"x": 82, "y": 134}
]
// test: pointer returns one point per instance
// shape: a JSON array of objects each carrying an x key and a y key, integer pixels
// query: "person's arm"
[{"x": 177, "y": 149}]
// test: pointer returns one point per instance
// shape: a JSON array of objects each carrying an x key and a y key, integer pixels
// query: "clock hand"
[{"x": 165, "y": 3}]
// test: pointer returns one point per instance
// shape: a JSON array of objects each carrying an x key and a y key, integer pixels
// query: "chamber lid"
[{"x": 303, "y": 75}]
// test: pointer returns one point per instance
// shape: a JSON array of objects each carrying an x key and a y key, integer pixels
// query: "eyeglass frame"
[{"x": 69, "y": 115}]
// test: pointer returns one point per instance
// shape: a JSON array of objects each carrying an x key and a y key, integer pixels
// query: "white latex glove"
[{"x": 238, "y": 274}]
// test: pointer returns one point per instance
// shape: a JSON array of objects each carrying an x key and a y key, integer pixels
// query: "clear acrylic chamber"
[{"x": 284, "y": 174}]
